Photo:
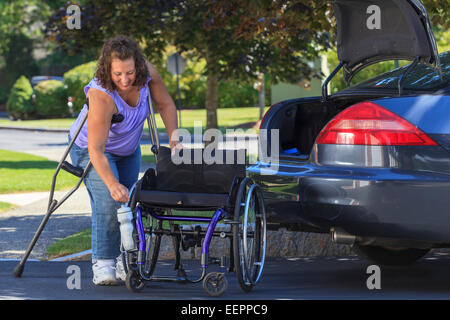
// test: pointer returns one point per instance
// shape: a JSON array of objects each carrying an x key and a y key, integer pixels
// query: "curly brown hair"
[{"x": 123, "y": 48}]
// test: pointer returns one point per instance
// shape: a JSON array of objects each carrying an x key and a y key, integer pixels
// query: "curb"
[
  {"x": 73, "y": 256},
  {"x": 35, "y": 129}
]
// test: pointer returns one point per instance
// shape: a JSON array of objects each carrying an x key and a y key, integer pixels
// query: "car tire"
[{"x": 390, "y": 256}]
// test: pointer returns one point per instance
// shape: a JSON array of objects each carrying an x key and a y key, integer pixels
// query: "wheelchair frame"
[{"x": 247, "y": 249}]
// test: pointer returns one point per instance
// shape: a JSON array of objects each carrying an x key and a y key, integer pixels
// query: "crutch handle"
[
  {"x": 116, "y": 118},
  {"x": 76, "y": 171}
]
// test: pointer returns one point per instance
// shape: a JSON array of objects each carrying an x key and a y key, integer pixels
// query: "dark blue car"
[{"x": 371, "y": 163}]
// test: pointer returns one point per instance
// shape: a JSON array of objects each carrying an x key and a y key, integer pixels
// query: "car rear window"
[{"x": 422, "y": 77}]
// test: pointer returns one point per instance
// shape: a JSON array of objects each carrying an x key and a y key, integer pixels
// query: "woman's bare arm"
[{"x": 101, "y": 111}]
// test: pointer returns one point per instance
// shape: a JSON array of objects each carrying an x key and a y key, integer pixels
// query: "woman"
[{"x": 121, "y": 85}]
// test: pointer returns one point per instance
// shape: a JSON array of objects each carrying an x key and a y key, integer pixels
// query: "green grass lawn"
[
  {"x": 23, "y": 172},
  {"x": 227, "y": 118},
  {"x": 77, "y": 242},
  {"x": 45, "y": 123},
  {"x": 4, "y": 206}
]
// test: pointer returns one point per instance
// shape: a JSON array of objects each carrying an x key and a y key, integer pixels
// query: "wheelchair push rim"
[
  {"x": 249, "y": 234},
  {"x": 247, "y": 264}
]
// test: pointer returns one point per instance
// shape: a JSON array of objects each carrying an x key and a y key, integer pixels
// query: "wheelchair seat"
[{"x": 191, "y": 185}]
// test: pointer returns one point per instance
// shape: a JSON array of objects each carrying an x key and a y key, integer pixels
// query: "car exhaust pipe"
[{"x": 340, "y": 236}]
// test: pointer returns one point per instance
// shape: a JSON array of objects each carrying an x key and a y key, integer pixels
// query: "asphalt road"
[{"x": 317, "y": 278}]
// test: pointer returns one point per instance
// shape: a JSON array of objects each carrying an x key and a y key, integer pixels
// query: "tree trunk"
[{"x": 212, "y": 100}]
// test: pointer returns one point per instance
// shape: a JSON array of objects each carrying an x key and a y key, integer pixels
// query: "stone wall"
[{"x": 281, "y": 243}]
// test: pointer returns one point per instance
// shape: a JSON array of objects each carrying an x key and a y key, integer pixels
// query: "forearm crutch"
[
  {"x": 54, "y": 204},
  {"x": 151, "y": 122}
]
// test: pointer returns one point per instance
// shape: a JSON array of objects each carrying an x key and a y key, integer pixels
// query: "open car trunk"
[{"x": 300, "y": 121}]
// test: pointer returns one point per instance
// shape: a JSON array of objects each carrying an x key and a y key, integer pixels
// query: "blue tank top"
[{"x": 123, "y": 137}]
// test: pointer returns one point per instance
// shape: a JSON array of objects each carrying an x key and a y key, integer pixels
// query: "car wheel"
[{"x": 390, "y": 256}]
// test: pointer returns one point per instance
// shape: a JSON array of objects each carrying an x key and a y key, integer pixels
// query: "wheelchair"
[{"x": 236, "y": 201}]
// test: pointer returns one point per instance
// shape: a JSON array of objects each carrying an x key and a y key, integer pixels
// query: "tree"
[
  {"x": 18, "y": 34},
  {"x": 198, "y": 27},
  {"x": 20, "y": 17},
  {"x": 18, "y": 59},
  {"x": 439, "y": 12},
  {"x": 275, "y": 37},
  {"x": 101, "y": 19}
]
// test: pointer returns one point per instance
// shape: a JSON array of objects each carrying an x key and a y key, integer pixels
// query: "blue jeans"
[{"x": 105, "y": 226}]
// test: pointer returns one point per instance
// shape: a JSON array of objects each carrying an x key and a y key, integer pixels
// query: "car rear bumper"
[{"x": 366, "y": 202}]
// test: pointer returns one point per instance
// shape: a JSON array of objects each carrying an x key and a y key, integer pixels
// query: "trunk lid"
[{"x": 370, "y": 31}]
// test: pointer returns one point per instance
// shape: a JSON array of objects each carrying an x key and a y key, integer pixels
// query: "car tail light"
[{"x": 367, "y": 123}]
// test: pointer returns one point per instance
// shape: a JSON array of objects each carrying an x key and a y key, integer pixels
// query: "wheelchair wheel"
[
  {"x": 152, "y": 250},
  {"x": 215, "y": 284},
  {"x": 249, "y": 234},
  {"x": 133, "y": 282}
]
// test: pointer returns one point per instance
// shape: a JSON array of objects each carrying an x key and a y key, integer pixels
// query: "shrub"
[
  {"x": 51, "y": 99},
  {"x": 76, "y": 79},
  {"x": 19, "y": 105},
  {"x": 233, "y": 94}
]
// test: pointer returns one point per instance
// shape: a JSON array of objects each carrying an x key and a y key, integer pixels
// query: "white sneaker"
[
  {"x": 120, "y": 269},
  {"x": 104, "y": 272}
]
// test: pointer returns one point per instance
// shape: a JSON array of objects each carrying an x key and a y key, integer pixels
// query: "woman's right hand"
[{"x": 119, "y": 192}]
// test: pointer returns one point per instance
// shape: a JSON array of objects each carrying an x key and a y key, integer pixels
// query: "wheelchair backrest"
[{"x": 199, "y": 170}]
